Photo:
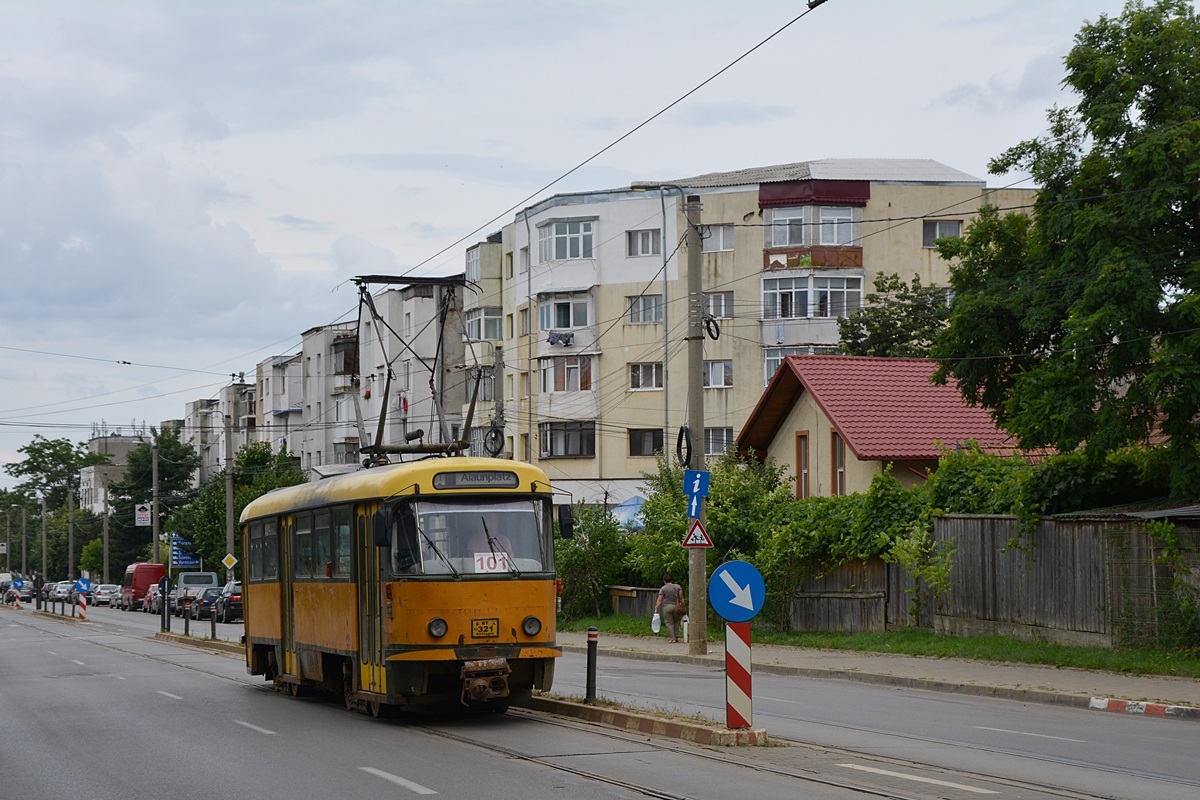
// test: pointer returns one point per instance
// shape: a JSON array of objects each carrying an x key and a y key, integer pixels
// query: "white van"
[{"x": 189, "y": 586}]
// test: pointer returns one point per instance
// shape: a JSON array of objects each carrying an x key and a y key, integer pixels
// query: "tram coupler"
[{"x": 486, "y": 679}]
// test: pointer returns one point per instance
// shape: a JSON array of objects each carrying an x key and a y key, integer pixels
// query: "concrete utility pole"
[
  {"x": 70, "y": 533},
  {"x": 154, "y": 502},
  {"x": 44, "y": 559},
  {"x": 229, "y": 491},
  {"x": 697, "y": 572},
  {"x": 24, "y": 544},
  {"x": 105, "y": 529},
  {"x": 8, "y": 541}
]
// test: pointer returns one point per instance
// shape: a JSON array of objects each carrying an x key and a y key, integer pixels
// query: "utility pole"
[
  {"x": 24, "y": 544},
  {"x": 70, "y": 533},
  {"x": 229, "y": 491},
  {"x": 697, "y": 572},
  {"x": 105, "y": 529},
  {"x": 8, "y": 541},
  {"x": 154, "y": 503},
  {"x": 44, "y": 559}
]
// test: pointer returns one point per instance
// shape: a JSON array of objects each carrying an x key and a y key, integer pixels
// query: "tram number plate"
[{"x": 485, "y": 628}]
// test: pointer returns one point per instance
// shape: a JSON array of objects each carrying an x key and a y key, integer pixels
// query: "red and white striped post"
[
  {"x": 81, "y": 599},
  {"x": 737, "y": 675}
]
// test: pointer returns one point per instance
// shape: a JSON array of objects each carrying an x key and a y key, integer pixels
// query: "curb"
[
  {"x": 695, "y": 732},
  {"x": 206, "y": 644},
  {"x": 1149, "y": 709}
]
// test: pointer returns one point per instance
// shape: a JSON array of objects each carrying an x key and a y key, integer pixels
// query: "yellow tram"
[{"x": 415, "y": 584}]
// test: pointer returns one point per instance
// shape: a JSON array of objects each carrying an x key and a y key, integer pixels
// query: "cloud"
[
  {"x": 1040, "y": 84},
  {"x": 733, "y": 114},
  {"x": 295, "y": 223}
]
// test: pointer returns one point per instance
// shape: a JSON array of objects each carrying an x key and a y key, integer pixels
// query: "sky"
[{"x": 187, "y": 187}]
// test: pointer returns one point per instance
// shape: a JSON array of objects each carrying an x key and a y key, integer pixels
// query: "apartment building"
[
  {"x": 204, "y": 426},
  {"x": 593, "y": 306}
]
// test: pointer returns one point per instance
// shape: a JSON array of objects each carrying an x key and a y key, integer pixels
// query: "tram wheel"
[
  {"x": 295, "y": 689},
  {"x": 380, "y": 710}
]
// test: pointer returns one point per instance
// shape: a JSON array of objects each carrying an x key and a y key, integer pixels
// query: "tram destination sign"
[{"x": 477, "y": 479}]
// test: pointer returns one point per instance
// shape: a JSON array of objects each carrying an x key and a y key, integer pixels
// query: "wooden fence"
[{"x": 1078, "y": 580}]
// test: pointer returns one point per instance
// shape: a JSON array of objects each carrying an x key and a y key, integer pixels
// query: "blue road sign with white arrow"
[
  {"x": 18, "y": 583},
  {"x": 737, "y": 591},
  {"x": 83, "y": 586}
]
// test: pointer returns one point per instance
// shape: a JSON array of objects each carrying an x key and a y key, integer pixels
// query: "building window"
[
  {"x": 342, "y": 408},
  {"x": 560, "y": 241},
  {"x": 716, "y": 238},
  {"x": 718, "y": 374},
  {"x": 561, "y": 311},
  {"x": 644, "y": 308},
  {"x": 935, "y": 229},
  {"x": 567, "y": 439},
  {"x": 719, "y": 304},
  {"x": 345, "y": 453},
  {"x": 524, "y": 314},
  {"x": 344, "y": 358},
  {"x": 645, "y": 441},
  {"x": 566, "y": 374},
  {"x": 508, "y": 265},
  {"x": 810, "y": 296},
  {"x": 473, "y": 265},
  {"x": 646, "y": 376},
  {"x": 839, "y": 464},
  {"x": 717, "y": 441},
  {"x": 643, "y": 243},
  {"x": 485, "y": 377},
  {"x": 484, "y": 323},
  {"x": 802, "y": 484},
  {"x": 837, "y": 225},
  {"x": 787, "y": 227},
  {"x": 774, "y": 356},
  {"x": 524, "y": 261},
  {"x": 836, "y": 297}
]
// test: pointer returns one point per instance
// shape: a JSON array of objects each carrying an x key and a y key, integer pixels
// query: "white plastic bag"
[{"x": 656, "y": 623}]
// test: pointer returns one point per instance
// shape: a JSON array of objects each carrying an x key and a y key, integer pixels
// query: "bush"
[{"x": 591, "y": 561}]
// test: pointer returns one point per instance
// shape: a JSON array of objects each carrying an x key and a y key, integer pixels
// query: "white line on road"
[
  {"x": 255, "y": 728},
  {"x": 172, "y": 696},
  {"x": 918, "y": 779},
  {"x": 51, "y": 652},
  {"x": 396, "y": 779},
  {"x": 1024, "y": 733},
  {"x": 74, "y": 661}
]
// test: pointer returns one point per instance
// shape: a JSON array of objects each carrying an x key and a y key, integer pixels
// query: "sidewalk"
[{"x": 1155, "y": 696}]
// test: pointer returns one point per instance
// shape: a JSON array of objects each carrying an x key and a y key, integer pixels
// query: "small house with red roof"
[{"x": 835, "y": 422}]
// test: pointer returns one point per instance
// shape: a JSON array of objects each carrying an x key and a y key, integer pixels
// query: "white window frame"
[
  {"x": 717, "y": 441},
  {"x": 646, "y": 376},
  {"x": 716, "y": 238},
  {"x": 644, "y": 309},
  {"x": 473, "y": 265},
  {"x": 785, "y": 298},
  {"x": 644, "y": 242},
  {"x": 573, "y": 304},
  {"x": 933, "y": 229},
  {"x": 486, "y": 376},
  {"x": 567, "y": 439},
  {"x": 834, "y": 297},
  {"x": 484, "y": 323},
  {"x": 773, "y": 358},
  {"x": 718, "y": 374},
  {"x": 787, "y": 227},
  {"x": 565, "y": 241},
  {"x": 837, "y": 225},
  {"x": 562, "y": 374},
  {"x": 719, "y": 304}
]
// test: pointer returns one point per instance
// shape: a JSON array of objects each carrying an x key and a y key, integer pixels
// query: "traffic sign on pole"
[
  {"x": 697, "y": 536},
  {"x": 738, "y": 703},
  {"x": 737, "y": 591}
]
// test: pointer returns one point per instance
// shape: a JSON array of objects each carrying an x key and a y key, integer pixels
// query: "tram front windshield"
[{"x": 465, "y": 537}]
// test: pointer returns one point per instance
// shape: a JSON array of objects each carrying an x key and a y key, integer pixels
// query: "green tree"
[
  {"x": 897, "y": 320},
  {"x": 257, "y": 470},
  {"x": 91, "y": 558},
  {"x": 51, "y": 467},
  {"x": 592, "y": 561},
  {"x": 1082, "y": 328},
  {"x": 177, "y": 464}
]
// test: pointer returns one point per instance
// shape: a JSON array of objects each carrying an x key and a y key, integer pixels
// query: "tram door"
[
  {"x": 287, "y": 627},
  {"x": 370, "y": 650}
]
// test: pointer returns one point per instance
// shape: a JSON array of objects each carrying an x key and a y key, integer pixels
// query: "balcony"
[
  {"x": 566, "y": 342},
  {"x": 823, "y": 256}
]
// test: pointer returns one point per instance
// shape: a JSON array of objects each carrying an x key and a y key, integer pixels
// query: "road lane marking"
[
  {"x": 918, "y": 779},
  {"x": 396, "y": 779},
  {"x": 1039, "y": 735},
  {"x": 51, "y": 652},
  {"x": 172, "y": 696},
  {"x": 255, "y": 728},
  {"x": 75, "y": 661}
]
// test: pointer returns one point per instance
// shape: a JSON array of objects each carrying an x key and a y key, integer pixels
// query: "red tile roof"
[{"x": 885, "y": 408}]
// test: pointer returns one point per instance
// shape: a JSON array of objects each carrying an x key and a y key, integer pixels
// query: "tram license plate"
[{"x": 485, "y": 628}]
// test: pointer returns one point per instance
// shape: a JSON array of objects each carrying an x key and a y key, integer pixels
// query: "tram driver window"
[{"x": 406, "y": 554}]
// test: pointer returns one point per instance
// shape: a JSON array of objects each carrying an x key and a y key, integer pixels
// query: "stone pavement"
[{"x": 1156, "y": 696}]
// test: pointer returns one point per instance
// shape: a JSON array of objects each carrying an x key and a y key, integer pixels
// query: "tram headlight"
[
  {"x": 438, "y": 627},
  {"x": 532, "y": 626}
]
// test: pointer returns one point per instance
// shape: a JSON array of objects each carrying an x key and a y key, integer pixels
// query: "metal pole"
[
  {"x": 44, "y": 559},
  {"x": 154, "y": 503},
  {"x": 70, "y": 535},
  {"x": 105, "y": 532},
  {"x": 229, "y": 491},
  {"x": 697, "y": 578},
  {"x": 24, "y": 544},
  {"x": 592, "y": 642}
]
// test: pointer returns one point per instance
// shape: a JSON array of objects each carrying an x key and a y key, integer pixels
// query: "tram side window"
[
  {"x": 322, "y": 561},
  {"x": 256, "y": 548},
  {"x": 406, "y": 555},
  {"x": 270, "y": 550},
  {"x": 342, "y": 542},
  {"x": 304, "y": 546}
]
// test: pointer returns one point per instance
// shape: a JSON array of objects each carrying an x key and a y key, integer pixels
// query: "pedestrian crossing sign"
[{"x": 697, "y": 536}]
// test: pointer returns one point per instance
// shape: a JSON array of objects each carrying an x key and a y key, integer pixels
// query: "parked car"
[
  {"x": 62, "y": 590},
  {"x": 191, "y": 585},
  {"x": 104, "y": 594},
  {"x": 229, "y": 604},
  {"x": 202, "y": 606},
  {"x": 149, "y": 598},
  {"x": 139, "y": 577},
  {"x": 26, "y": 592}
]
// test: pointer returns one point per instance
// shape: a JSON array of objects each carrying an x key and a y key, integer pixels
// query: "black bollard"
[{"x": 593, "y": 641}]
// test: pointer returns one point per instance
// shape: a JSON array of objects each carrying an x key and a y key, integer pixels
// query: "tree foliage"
[
  {"x": 592, "y": 561},
  {"x": 897, "y": 320},
  {"x": 1081, "y": 328},
  {"x": 51, "y": 468}
]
